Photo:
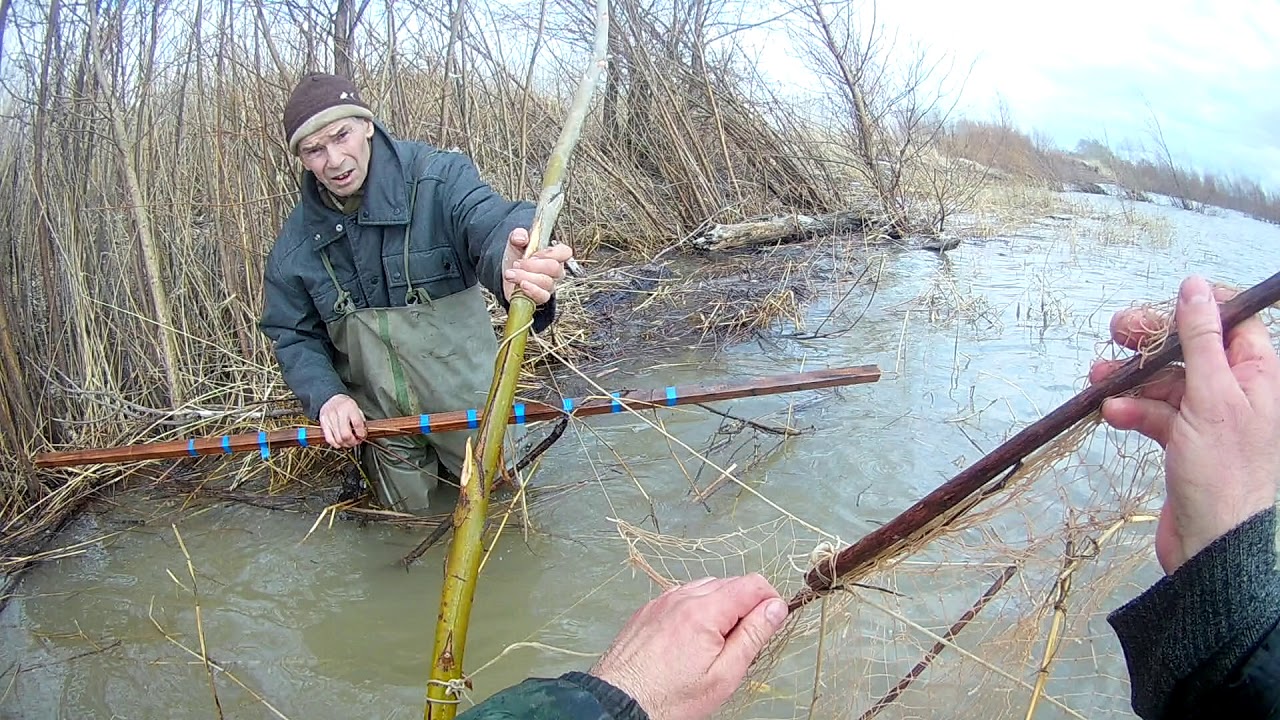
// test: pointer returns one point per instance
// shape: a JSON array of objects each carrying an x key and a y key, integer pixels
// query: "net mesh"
[
  {"x": 1001, "y": 613},
  {"x": 997, "y": 608}
]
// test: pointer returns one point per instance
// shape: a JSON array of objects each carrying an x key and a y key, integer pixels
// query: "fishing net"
[
  {"x": 997, "y": 609},
  {"x": 1000, "y": 613}
]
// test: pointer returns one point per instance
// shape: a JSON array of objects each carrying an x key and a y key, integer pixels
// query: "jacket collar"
[{"x": 386, "y": 194}]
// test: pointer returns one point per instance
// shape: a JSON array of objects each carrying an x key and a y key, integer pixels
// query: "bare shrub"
[{"x": 892, "y": 116}]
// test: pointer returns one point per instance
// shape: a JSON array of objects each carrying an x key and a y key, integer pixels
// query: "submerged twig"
[
  {"x": 959, "y": 494},
  {"x": 941, "y": 644},
  {"x": 762, "y": 427}
]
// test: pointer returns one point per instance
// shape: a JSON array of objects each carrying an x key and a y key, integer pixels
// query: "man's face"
[{"x": 338, "y": 155}]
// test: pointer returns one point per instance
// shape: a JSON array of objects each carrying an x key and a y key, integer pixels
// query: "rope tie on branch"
[
  {"x": 457, "y": 687},
  {"x": 822, "y": 562}
]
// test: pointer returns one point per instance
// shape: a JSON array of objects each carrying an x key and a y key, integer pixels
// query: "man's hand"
[
  {"x": 685, "y": 652},
  {"x": 535, "y": 275},
  {"x": 1218, "y": 420},
  {"x": 342, "y": 421}
]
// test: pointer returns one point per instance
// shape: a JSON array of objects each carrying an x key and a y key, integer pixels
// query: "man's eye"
[{"x": 342, "y": 136}]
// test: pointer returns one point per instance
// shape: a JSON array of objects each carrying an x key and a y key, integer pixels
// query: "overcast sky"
[{"x": 1091, "y": 67}]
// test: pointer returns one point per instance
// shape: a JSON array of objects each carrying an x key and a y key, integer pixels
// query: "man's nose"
[{"x": 332, "y": 157}]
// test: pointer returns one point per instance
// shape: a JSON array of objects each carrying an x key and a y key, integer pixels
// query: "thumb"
[
  {"x": 518, "y": 238},
  {"x": 1152, "y": 418},
  {"x": 1199, "y": 327},
  {"x": 747, "y": 639}
]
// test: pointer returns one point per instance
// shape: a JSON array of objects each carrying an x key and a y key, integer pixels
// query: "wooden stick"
[
  {"x": 309, "y": 436},
  {"x": 941, "y": 645},
  {"x": 951, "y": 497},
  {"x": 462, "y": 564}
]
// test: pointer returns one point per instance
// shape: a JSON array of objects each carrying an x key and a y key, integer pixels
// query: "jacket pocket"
[
  {"x": 435, "y": 270},
  {"x": 325, "y": 297}
]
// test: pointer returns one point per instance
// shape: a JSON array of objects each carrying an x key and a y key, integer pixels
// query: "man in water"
[{"x": 372, "y": 298}]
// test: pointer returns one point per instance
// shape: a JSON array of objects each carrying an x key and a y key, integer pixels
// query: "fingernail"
[
  {"x": 775, "y": 612},
  {"x": 1196, "y": 292},
  {"x": 511, "y": 274}
]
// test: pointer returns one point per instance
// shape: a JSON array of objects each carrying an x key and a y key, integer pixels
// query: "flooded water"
[{"x": 331, "y": 626}]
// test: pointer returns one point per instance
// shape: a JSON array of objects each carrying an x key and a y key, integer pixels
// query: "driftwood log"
[{"x": 784, "y": 228}]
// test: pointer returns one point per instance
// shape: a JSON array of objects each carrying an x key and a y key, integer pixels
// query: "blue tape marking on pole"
[
  {"x": 616, "y": 405},
  {"x": 472, "y": 422},
  {"x": 671, "y": 395},
  {"x": 226, "y": 443},
  {"x": 424, "y": 424},
  {"x": 519, "y": 409},
  {"x": 302, "y": 437},
  {"x": 191, "y": 447},
  {"x": 568, "y": 405},
  {"x": 263, "y": 447}
]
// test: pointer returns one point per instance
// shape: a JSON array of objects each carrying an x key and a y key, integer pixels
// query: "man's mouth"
[{"x": 342, "y": 177}]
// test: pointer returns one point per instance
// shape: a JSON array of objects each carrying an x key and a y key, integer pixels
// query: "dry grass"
[
  {"x": 1128, "y": 226},
  {"x": 945, "y": 302},
  {"x": 1003, "y": 207}
]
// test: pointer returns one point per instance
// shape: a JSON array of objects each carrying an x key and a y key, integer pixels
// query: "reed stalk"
[
  {"x": 142, "y": 224},
  {"x": 1072, "y": 561},
  {"x": 463, "y": 563}
]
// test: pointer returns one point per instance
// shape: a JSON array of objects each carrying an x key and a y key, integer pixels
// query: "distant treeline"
[{"x": 1001, "y": 146}]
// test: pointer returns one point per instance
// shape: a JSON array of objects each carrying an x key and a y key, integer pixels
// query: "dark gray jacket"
[
  {"x": 459, "y": 234},
  {"x": 572, "y": 696},
  {"x": 1204, "y": 641}
]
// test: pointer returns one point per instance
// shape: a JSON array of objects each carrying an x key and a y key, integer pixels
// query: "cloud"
[
  {"x": 1100, "y": 69},
  {"x": 1095, "y": 68}
]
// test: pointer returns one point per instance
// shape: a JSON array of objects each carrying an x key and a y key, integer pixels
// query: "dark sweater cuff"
[
  {"x": 1186, "y": 634},
  {"x": 617, "y": 703},
  {"x": 544, "y": 315},
  {"x": 320, "y": 395}
]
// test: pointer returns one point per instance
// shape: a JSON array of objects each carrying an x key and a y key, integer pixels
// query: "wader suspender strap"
[
  {"x": 413, "y": 296},
  {"x": 343, "y": 304}
]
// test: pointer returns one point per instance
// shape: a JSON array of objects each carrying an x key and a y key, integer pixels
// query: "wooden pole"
[
  {"x": 962, "y": 492},
  {"x": 519, "y": 413}
]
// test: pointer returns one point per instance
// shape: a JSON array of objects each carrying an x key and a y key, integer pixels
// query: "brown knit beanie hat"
[{"x": 318, "y": 100}]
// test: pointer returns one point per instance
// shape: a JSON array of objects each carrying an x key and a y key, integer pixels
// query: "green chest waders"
[{"x": 432, "y": 355}]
